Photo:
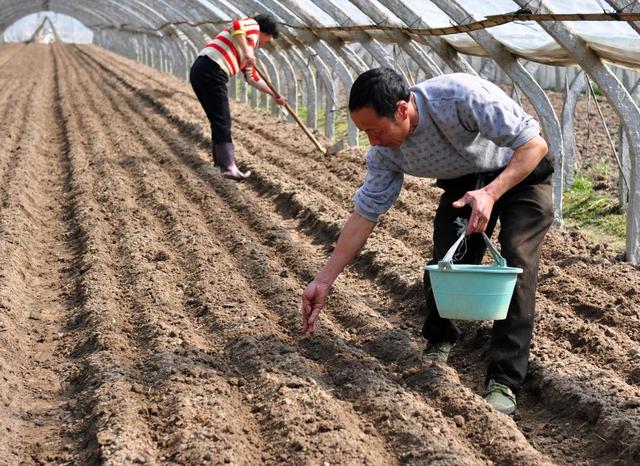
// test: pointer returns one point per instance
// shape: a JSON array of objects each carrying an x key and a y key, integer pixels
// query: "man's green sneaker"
[
  {"x": 439, "y": 351},
  {"x": 500, "y": 397}
]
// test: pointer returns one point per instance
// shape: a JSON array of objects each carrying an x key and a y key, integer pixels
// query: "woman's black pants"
[{"x": 209, "y": 82}]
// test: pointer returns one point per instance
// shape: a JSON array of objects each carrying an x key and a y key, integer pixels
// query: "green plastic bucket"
[{"x": 473, "y": 292}]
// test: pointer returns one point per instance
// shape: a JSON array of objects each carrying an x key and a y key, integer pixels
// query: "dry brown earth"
[{"x": 149, "y": 309}]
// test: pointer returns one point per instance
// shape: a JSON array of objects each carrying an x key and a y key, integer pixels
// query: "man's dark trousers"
[{"x": 525, "y": 213}]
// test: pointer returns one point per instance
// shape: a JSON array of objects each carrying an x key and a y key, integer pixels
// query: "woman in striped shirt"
[{"x": 231, "y": 51}]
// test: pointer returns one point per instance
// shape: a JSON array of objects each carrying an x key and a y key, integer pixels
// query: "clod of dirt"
[
  {"x": 161, "y": 256},
  {"x": 459, "y": 420}
]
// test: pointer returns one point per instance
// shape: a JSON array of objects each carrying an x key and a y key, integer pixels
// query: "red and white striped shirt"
[{"x": 224, "y": 52}]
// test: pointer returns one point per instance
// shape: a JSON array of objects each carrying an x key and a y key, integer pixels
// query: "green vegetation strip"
[{"x": 601, "y": 218}]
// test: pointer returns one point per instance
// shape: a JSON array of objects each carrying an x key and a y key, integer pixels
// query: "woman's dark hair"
[
  {"x": 267, "y": 24},
  {"x": 380, "y": 88}
]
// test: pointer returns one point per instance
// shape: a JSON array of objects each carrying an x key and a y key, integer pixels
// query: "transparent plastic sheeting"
[
  {"x": 69, "y": 29},
  {"x": 614, "y": 41}
]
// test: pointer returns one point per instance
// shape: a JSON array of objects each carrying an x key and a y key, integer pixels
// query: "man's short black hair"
[
  {"x": 380, "y": 88},
  {"x": 267, "y": 24}
]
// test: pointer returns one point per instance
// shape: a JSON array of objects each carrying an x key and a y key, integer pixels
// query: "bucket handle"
[{"x": 447, "y": 260}]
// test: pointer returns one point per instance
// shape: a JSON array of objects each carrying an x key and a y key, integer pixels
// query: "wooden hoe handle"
[{"x": 293, "y": 114}]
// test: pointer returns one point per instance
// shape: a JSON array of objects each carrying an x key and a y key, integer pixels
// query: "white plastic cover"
[{"x": 614, "y": 41}]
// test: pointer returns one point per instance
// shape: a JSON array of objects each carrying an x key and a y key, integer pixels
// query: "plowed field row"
[
  {"x": 266, "y": 279},
  {"x": 149, "y": 309}
]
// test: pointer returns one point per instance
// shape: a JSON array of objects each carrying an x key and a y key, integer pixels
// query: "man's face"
[
  {"x": 384, "y": 131},
  {"x": 264, "y": 39}
]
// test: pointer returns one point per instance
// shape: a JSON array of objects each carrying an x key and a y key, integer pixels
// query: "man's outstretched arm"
[{"x": 354, "y": 235}]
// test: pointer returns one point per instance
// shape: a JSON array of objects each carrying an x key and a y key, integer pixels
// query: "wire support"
[
  {"x": 488, "y": 22},
  {"x": 606, "y": 130}
]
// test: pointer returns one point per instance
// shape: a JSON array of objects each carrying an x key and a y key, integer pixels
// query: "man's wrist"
[
  {"x": 323, "y": 278},
  {"x": 493, "y": 190}
]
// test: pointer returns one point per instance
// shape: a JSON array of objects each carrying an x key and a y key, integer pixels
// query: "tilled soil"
[{"x": 150, "y": 310}]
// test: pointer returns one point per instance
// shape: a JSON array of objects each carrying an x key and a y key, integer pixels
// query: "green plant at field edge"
[{"x": 601, "y": 218}]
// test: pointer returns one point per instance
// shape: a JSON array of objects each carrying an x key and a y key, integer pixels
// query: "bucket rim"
[{"x": 474, "y": 268}]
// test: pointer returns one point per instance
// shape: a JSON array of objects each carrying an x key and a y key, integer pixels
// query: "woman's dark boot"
[
  {"x": 225, "y": 157},
  {"x": 213, "y": 154}
]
